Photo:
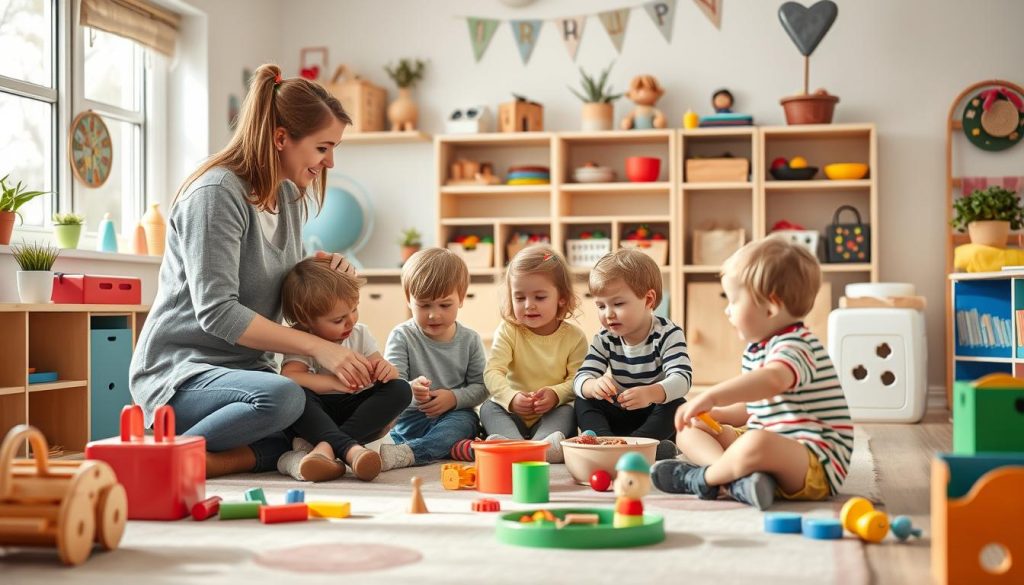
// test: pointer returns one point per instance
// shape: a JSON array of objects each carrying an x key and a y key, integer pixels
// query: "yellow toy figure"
[
  {"x": 645, "y": 91},
  {"x": 631, "y": 484}
]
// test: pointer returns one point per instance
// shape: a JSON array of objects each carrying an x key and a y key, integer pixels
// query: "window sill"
[{"x": 80, "y": 254}]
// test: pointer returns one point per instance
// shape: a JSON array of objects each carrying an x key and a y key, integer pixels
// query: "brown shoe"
[
  {"x": 317, "y": 467},
  {"x": 366, "y": 464}
]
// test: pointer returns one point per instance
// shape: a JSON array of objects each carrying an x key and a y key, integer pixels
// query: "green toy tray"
[{"x": 602, "y": 535}]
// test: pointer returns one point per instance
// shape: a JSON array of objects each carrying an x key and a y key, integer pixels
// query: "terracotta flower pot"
[
  {"x": 989, "y": 233},
  {"x": 597, "y": 116},
  {"x": 403, "y": 113},
  {"x": 6, "y": 226},
  {"x": 408, "y": 251},
  {"x": 814, "y": 108}
]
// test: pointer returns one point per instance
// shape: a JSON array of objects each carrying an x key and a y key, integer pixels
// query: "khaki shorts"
[{"x": 815, "y": 482}]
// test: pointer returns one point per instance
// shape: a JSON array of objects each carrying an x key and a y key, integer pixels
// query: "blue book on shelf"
[{"x": 42, "y": 377}]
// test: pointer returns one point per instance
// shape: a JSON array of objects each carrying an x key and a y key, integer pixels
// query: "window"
[{"x": 60, "y": 71}]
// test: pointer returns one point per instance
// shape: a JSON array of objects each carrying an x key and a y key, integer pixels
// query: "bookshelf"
[{"x": 987, "y": 318}]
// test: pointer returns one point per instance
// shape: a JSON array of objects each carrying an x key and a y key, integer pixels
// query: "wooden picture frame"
[{"x": 307, "y": 63}]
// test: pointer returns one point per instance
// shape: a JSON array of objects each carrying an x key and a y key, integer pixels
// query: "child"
[
  {"x": 535, "y": 353},
  {"x": 443, "y": 359},
  {"x": 637, "y": 370},
  {"x": 799, "y": 437},
  {"x": 337, "y": 419}
]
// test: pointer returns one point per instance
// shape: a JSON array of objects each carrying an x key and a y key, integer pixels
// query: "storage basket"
[
  {"x": 481, "y": 256},
  {"x": 712, "y": 247},
  {"x": 657, "y": 250},
  {"x": 586, "y": 253}
]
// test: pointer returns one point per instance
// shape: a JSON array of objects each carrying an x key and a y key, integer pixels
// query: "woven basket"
[
  {"x": 586, "y": 253},
  {"x": 657, "y": 250}
]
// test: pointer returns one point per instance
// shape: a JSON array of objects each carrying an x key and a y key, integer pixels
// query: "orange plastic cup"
[{"x": 494, "y": 461}]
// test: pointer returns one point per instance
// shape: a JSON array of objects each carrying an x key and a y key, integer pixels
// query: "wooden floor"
[{"x": 902, "y": 455}]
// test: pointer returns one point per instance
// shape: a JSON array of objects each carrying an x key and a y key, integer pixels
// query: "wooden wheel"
[
  {"x": 111, "y": 516},
  {"x": 76, "y": 530}
]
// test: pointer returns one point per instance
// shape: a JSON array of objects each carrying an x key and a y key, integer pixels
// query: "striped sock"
[{"x": 463, "y": 450}]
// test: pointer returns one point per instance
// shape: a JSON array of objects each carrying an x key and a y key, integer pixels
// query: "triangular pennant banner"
[
  {"x": 526, "y": 33},
  {"x": 663, "y": 13},
  {"x": 713, "y": 10},
  {"x": 571, "y": 30},
  {"x": 481, "y": 30},
  {"x": 615, "y": 22}
]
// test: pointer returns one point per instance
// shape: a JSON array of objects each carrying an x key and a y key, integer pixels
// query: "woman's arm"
[{"x": 319, "y": 383}]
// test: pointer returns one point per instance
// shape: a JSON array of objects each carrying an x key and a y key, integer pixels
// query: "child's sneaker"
[
  {"x": 666, "y": 450},
  {"x": 679, "y": 477},
  {"x": 756, "y": 489},
  {"x": 463, "y": 451},
  {"x": 395, "y": 456},
  {"x": 554, "y": 452}
]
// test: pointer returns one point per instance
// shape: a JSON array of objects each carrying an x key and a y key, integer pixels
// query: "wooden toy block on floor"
[
  {"x": 284, "y": 513},
  {"x": 69, "y": 505},
  {"x": 255, "y": 495},
  {"x": 977, "y": 516},
  {"x": 988, "y": 415},
  {"x": 208, "y": 508},
  {"x": 329, "y": 509},
  {"x": 239, "y": 510}
]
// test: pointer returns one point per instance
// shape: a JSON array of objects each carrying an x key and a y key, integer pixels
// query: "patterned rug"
[{"x": 707, "y": 542}]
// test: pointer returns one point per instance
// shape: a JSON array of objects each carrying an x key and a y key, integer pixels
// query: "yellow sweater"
[{"x": 522, "y": 361}]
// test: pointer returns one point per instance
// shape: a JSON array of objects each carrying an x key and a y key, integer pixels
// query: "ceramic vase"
[
  {"x": 156, "y": 230},
  {"x": 403, "y": 112}
]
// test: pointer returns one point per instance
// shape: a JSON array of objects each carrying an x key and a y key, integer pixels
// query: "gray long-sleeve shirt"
[
  {"x": 456, "y": 365},
  {"x": 218, "y": 273}
]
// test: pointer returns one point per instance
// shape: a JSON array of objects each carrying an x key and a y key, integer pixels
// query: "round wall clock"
[
  {"x": 994, "y": 119},
  {"x": 90, "y": 149}
]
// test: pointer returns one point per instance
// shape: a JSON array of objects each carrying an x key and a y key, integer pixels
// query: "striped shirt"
[
  {"x": 814, "y": 410},
  {"x": 660, "y": 359}
]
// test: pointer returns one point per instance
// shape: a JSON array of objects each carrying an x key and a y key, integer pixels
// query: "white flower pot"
[{"x": 35, "y": 286}]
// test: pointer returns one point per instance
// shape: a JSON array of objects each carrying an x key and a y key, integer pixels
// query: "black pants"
[
  {"x": 610, "y": 420},
  {"x": 347, "y": 420}
]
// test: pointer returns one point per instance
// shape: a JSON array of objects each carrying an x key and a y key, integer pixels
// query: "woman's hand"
[
  {"x": 349, "y": 366},
  {"x": 338, "y": 262}
]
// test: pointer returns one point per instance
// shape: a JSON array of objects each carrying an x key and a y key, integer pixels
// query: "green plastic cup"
[{"x": 530, "y": 481}]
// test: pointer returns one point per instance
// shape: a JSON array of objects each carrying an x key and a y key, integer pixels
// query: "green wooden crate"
[{"x": 988, "y": 415}]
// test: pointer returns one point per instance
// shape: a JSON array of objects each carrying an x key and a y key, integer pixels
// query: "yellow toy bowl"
[{"x": 846, "y": 171}]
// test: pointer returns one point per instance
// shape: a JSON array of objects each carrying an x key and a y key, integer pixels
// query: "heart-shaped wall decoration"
[{"x": 807, "y": 26}]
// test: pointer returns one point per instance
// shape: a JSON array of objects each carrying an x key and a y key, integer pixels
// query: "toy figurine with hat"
[{"x": 631, "y": 484}]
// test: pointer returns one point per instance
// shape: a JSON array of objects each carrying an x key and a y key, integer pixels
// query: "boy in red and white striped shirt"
[{"x": 798, "y": 436}]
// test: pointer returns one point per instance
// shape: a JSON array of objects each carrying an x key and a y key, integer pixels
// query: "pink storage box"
[{"x": 96, "y": 290}]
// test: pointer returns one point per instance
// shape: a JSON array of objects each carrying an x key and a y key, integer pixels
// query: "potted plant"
[
  {"x": 403, "y": 113},
  {"x": 67, "y": 228},
  {"x": 411, "y": 242},
  {"x": 988, "y": 215},
  {"x": 11, "y": 199},
  {"x": 35, "y": 279},
  {"x": 598, "y": 110},
  {"x": 807, "y": 27}
]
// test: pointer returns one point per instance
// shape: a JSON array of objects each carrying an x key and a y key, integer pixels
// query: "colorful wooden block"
[
  {"x": 284, "y": 513},
  {"x": 294, "y": 496},
  {"x": 255, "y": 495},
  {"x": 207, "y": 508},
  {"x": 822, "y": 528},
  {"x": 329, "y": 509},
  {"x": 239, "y": 510},
  {"x": 988, "y": 415}
]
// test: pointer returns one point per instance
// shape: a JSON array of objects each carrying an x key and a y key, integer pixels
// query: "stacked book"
[{"x": 974, "y": 329}]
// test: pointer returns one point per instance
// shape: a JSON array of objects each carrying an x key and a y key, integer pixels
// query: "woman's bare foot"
[
  {"x": 365, "y": 463},
  {"x": 237, "y": 460}
]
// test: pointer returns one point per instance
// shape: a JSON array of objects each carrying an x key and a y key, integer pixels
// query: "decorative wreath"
[{"x": 994, "y": 119}]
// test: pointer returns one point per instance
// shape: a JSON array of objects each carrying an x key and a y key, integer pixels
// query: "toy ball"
[
  {"x": 601, "y": 480},
  {"x": 902, "y": 528},
  {"x": 589, "y": 433},
  {"x": 779, "y": 162}
]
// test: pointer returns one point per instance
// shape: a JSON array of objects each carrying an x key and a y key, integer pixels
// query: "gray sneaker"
[
  {"x": 666, "y": 450},
  {"x": 756, "y": 489},
  {"x": 679, "y": 477}
]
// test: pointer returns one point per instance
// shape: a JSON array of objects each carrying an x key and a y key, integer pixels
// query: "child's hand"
[
  {"x": 384, "y": 371},
  {"x": 641, "y": 396},
  {"x": 441, "y": 401},
  {"x": 522, "y": 404},
  {"x": 702, "y": 402},
  {"x": 420, "y": 390},
  {"x": 603, "y": 388},
  {"x": 544, "y": 400}
]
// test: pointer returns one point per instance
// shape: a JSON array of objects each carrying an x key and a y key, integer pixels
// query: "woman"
[{"x": 233, "y": 233}]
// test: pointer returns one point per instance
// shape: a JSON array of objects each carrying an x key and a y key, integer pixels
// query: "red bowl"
[{"x": 643, "y": 169}]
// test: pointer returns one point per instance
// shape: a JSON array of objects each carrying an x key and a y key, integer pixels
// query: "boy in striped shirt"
[
  {"x": 636, "y": 371},
  {"x": 798, "y": 436}
]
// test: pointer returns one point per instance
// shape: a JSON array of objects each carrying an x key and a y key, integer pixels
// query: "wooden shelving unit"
[
  {"x": 410, "y": 137},
  {"x": 671, "y": 205}
]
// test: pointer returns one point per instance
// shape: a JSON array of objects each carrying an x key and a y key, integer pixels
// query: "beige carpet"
[{"x": 707, "y": 542}]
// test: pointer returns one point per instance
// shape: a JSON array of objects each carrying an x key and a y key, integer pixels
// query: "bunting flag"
[
  {"x": 713, "y": 10},
  {"x": 481, "y": 30},
  {"x": 615, "y": 22},
  {"x": 526, "y": 33},
  {"x": 663, "y": 13},
  {"x": 571, "y": 30}
]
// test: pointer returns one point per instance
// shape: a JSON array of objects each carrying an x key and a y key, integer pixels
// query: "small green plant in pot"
[
  {"x": 67, "y": 228},
  {"x": 12, "y": 197},
  {"x": 403, "y": 112},
  {"x": 411, "y": 241},
  {"x": 35, "y": 279},
  {"x": 597, "y": 97},
  {"x": 989, "y": 215}
]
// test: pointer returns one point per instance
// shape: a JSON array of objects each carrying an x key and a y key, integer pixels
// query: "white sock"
[
  {"x": 497, "y": 438},
  {"x": 288, "y": 464},
  {"x": 554, "y": 453},
  {"x": 300, "y": 444},
  {"x": 395, "y": 456}
]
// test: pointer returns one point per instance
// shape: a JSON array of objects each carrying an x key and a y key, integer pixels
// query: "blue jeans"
[
  {"x": 231, "y": 408},
  {"x": 431, "y": 439}
]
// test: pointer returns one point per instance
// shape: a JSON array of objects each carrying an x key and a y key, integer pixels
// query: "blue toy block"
[
  {"x": 823, "y": 528},
  {"x": 42, "y": 377},
  {"x": 295, "y": 496},
  {"x": 255, "y": 495},
  {"x": 782, "y": 523}
]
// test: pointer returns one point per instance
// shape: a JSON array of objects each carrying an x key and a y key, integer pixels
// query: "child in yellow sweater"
[{"x": 535, "y": 354}]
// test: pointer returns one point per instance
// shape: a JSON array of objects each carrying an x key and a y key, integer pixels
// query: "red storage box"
[
  {"x": 96, "y": 290},
  {"x": 164, "y": 475}
]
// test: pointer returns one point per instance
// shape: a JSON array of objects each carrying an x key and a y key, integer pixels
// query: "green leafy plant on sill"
[
  {"x": 595, "y": 92},
  {"x": 410, "y": 237},
  {"x": 68, "y": 219},
  {"x": 35, "y": 256},
  {"x": 12, "y": 197},
  {"x": 993, "y": 204}
]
